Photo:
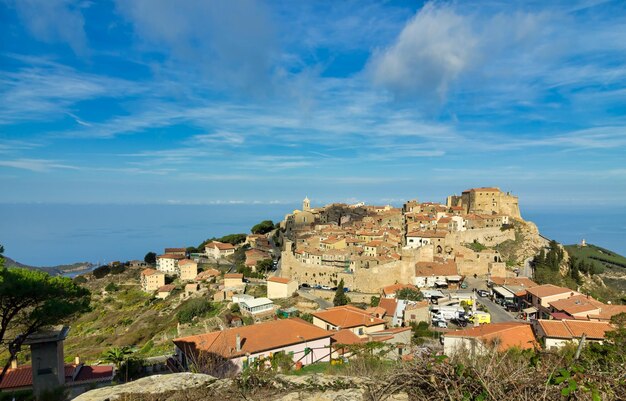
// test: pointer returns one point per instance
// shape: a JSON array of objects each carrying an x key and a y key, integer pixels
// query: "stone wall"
[{"x": 487, "y": 236}]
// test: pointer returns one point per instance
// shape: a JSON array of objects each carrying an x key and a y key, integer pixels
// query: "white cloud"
[
  {"x": 54, "y": 21},
  {"x": 432, "y": 50},
  {"x": 36, "y": 165}
]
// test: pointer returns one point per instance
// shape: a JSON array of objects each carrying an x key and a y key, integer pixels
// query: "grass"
[
  {"x": 319, "y": 367},
  {"x": 598, "y": 256}
]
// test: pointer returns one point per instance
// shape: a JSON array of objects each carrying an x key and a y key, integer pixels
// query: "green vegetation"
[
  {"x": 263, "y": 266},
  {"x": 422, "y": 332},
  {"x": 409, "y": 294},
  {"x": 374, "y": 300},
  {"x": 547, "y": 268},
  {"x": 31, "y": 300},
  {"x": 194, "y": 307},
  {"x": 263, "y": 227},
  {"x": 111, "y": 287},
  {"x": 476, "y": 246},
  {"x": 596, "y": 259},
  {"x": 150, "y": 258},
  {"x": 340, "y": 296}
]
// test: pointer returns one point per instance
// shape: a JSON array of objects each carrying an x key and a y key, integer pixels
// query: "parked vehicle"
[
  {"x": 440, "y": 323},
  {"x": 461, "y": 322},
  {"x": 482, "y": 293},
  {"x": 305, "y": 285},
  {"x": 481, "y": 317},
  {"x": 325, "y": 287},
  {"x": 448, "y": 312}
]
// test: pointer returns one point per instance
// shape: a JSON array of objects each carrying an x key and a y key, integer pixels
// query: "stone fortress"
[{"x": 370, "y": 247}]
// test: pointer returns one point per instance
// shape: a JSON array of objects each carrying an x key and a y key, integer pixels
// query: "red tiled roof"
[
  {"x": 233, "y": 275},
  {"x": 547, "y": 290},
  {"x": 167, "y": 288},
  {"x": 510, "y": 334},
  {"x": 280, "y": 280},
  {"x": 346, "y": 337},
  {"x": 254, "y": 338},
  {"x": 347, "y": 316},
  {"x": 170, "y": 256},
  {"x": 207, "y": 274},
  {"x": 570, "y": 329},
  {"x": 389, "y": 305},
  {"x": 22, "y": 376},
  {"x": 392, "y": 289},
  {"x": 514, "y": 281},
  {"x": 220, "y": 245},
  {"x": 149, "y": 272}
]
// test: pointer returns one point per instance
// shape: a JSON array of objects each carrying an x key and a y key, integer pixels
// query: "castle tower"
[{"x": 306, "y": 204}]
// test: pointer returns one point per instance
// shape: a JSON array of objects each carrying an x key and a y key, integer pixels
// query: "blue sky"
[{"x": 155, "y": 101}]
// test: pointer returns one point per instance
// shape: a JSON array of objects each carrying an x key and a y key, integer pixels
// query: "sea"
[{"x": 54, "y": 234}]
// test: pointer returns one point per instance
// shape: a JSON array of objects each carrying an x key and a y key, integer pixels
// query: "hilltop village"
[{"x": 326, "y": 283}]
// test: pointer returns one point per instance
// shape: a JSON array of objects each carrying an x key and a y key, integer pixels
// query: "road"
[
  {"x": 324, "y": 304},
  {"x": 527, "y": 270},
  {"x": 498, "y": 314}
]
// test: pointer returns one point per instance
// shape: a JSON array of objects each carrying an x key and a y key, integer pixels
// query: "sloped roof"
[
  {"x": 508, "y": 335},
  {"x": 346, "y": 337},
  {"x": 389, "y": 305},
  {"x": 577, "y": 304},
  {"x": 547, "y": 290},
  {"x": 281, "y": 280},
  {"x": 254, "y": 338},
  {"x": 448, "y": 268},
  {"x": 22, "y": 376},
  {"x": 570, "y": 329},
  {"x": 392, "y": 289},
  {"x": 347, "y": 317}
]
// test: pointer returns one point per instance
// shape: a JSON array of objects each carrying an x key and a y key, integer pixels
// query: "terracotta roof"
[
  {"x": 22, "y": 376},
  {"x": 515, "y": 281},
  {"x": 608, "y": 311},
  {"x": 175, "y": 250},
  {"x": 254, "y": 338},
  {"x": 233, "y": 275},
  {"x": 425, "y": 269},
  {"x": 207, "y": 274},
  {"x": 281, "y": 280},
  {"x": 187, "y": 262},
  {"x": 346, "y": 337},
  {"x": 392, "y": 289},
  {"x": 376, "y": 311},
  {"x": 570, "y": 329},
  {"x": 389, "y": 305},
  {"x": 510, "y": 334},
  {"x": 170, "y": 256},
  {"x": 347, "y": 317},
  {"x": 150, "y": 272},
  {"x": 167, "y": 288},
  {"x": 220, "y": 245},
  {"x": 577, "y": 304},
  {"x": 547, "y": 290}
]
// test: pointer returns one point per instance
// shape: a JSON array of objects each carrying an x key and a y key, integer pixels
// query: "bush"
[
  {"x": 192, "y": 308},
  {"x": 111, "y": 287},
  {"x": 263, "y": 227},
  {"x": 102, "y": 271},
  {"x": 80, "y": 280}
]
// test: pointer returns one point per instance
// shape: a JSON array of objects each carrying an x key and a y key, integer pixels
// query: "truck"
[
  {"x": 480, "y": 317},
  {"x": 447, "y": 312}
]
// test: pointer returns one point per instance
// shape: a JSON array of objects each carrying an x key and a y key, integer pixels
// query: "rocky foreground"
[{"x": 193, "y": 386}]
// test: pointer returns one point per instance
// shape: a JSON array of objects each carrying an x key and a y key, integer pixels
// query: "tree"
[
  {"x": 374, "y": 301},
  {"x": 262, "y": 266},
  {"x": 118, "y": 356},
  {"x": 263, "y": 227},
  {"x": 340, "y": 296},
  {"x": 150, "y": 258},
  {"x": 31, "y": 300},
  {"x": 409, "y": 294}
]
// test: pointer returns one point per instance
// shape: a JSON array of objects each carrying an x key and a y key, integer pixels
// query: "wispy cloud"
[{"x": 37, "y": 165}]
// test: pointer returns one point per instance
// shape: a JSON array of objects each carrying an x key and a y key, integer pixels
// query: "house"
[
  {"x": 576, "y": 307},
  {"x": 191, "y": 288},
  {"x": 279, "y": 287},
  {"x": 538, "y": 298},
  {"x": 47, "y": 350},
  {"x": 389, "y": 305},
  {"x": 417, "y": 239},
  {"x": 556, "y": 333},
  {"x": 237, "y": 298},
  {"x": 398, "y": 338},
  {"x": 479, "y": 340},
  {"x": 188, "y": 269},
  {"x": 436, "y": 274},
  {"x": 233, "y": 280},
  {"x": 229, "y": 351},
  {"x": 218, "y": 250},
  {"x": 168, "y": 263},
  {"x": 348, "y": 317},
  {"x": 255, "y": 255},
  {"x": 208, "y": 275},
  {"x": 176, "y": 251},
  {"x": 416, "y": 312},
  {"x": 165, "y": 291},
  {"x": 151, "y": 280},
  {"x": 257, "y": 306},
  {"x": 390, "y": 290}
]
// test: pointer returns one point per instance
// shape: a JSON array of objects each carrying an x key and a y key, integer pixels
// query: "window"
[{"x": 361, "y": 331}]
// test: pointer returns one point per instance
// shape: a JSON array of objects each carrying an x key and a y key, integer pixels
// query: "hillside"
[
  {"x": 608, "y": 265},
  {"x": 53, "y": 270}
]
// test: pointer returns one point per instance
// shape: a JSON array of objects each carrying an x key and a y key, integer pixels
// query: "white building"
[
  {"x": 257, "y": 305},
  {"x": 168, "y": 264}
]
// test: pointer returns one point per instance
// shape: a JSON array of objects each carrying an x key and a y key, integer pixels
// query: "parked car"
[
  {"x": 305, "y": 285},
  {"x": 346, "y": 289},
  {"x": 482, "y": 293},
  {"x": 461, "y": 322},
  {"x": 325, "y": 287},
  {"x": 440, "y": 323},
  {"x": 333, "y": 288}
]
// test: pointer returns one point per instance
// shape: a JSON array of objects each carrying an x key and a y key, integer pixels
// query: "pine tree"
[{"x": 340, "y": 295}]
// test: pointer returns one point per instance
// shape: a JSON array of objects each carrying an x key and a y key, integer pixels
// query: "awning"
[
  {"x": 454, "y": 278},
  {"x": 530, "y": 310},
  {"x": 504, "y": 292},
  {"x": 441, "y": 282}
]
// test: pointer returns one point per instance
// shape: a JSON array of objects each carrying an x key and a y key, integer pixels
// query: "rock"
[
  {"x": 333, "y": 395},
  {"x": 148, "y": 385}
]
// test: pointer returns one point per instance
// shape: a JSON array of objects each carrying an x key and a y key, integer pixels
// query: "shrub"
[
  {"x": 102, "y": 271},
  {"x": 192, "y": 308},
  {"x": 111, "y": 287}
]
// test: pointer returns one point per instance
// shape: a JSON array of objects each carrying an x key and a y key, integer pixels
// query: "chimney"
[
  {"x": 77, "y": 360},
  {"x": 371, "y": 320},
  {"x": 238, "y": 342},
  {"x": 14, "y": 363}
]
